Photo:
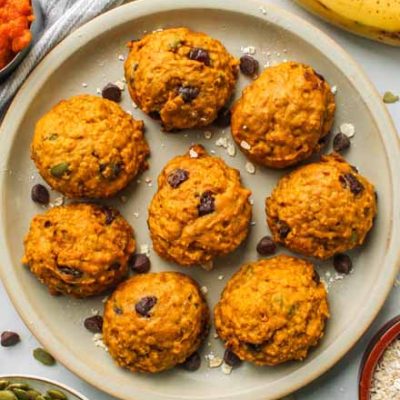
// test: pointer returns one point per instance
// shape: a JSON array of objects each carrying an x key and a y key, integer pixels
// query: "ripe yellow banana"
[{"x": 375, "y": 19}]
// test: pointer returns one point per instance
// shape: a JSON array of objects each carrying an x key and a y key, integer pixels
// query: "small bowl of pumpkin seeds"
[{"x": 27, "y": 387}]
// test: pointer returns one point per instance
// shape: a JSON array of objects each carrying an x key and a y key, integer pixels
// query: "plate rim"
[{"x": 313, "y": 36}]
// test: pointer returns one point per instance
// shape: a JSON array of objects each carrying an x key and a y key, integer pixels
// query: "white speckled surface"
[{"x": 381, "y": 64}]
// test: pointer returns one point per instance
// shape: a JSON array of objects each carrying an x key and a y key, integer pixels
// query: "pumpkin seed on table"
[
  {"x": 43, "y": 356},
  {"x": 390, "y": 98}
]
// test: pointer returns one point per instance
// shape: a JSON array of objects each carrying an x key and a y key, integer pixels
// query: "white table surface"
[{"x": 382, "y": 65}]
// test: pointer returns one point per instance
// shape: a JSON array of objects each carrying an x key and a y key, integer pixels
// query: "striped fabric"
[{"x": 61, "y": 17}]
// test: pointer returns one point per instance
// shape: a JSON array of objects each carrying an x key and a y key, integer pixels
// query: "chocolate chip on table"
[
  {"x": 201, "y": 55},
  {"x": 206, "y": 205},
  {"x": 111, "y": 92},
  {"x": 40, "y": 194},
  {"x": 177, "y": 176},
  {"x": 231, "y": 358},
  {"x": 283, "y": 229},
  {"x": 94, "y": 324},
  {"x": 188, "y": 93},
  {"x": 9, "y": 339},
  {"x": 76, "y": 273},
  {"x": 44, "y": 357},
  {"x": 341, "y": 142},
  {"x": 192, "y": 363},
  {"x": 350, "y": 181},
  {"x": 266, "y": 246},
  {"x": 248, "y": 65},
  {"x": 342, "y": 263},
  {"x": 145, "y": 304},
  {"x": 140, "y": 263},
  {"x": 224, "y": 118}
]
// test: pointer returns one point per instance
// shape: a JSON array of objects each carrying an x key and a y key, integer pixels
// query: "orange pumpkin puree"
[{"x": 15, "y": 19}]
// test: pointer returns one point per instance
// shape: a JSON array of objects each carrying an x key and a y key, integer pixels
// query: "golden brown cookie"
[
  {"x": 283, "y": 115},
  {"x": 200, "y": 211},
  {"x": 155, "y": 321},
  {"x": 272, "y": 311},
  {"x": 87, "y": 146},
  {"x": 79, "y": 250},
  {"x": 182, "y": 77},
  {"x": 322, "y": 209}
]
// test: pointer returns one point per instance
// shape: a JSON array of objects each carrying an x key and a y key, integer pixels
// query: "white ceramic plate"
[{"x": 90, "y": 56}]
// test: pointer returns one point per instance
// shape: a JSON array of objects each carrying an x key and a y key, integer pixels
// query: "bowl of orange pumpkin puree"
[{"x": 18, "y": 24}]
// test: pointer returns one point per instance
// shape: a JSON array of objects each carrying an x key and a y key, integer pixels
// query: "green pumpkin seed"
[
  {"x": 390, "y": 98},
  {"x": 59, "y": 170},
  {"x": 43, "y": 356},
  {"x": 4, "y": 384},
  {"x": 52, "y": 136},
  {"x": 21, "y": 394},
  {"x": 23, "y": 386},
  {"x": 32, "y": 394},
  {"x": 7, "y": 395},
  {"x": 57, "y": 395}
]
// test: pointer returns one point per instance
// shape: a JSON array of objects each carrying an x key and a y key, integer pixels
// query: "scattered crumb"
[
  {"x": 136, "y": 214},
  {"x": 226, "y": 369},
  {"x": 98, "y": 341},
  {"x": 231, "y": 150},
  {"x": 94, "y": 311},
  {"x": 208, "y": 266},
  {"x": 251, "y": 201},
  {"x": 193, "y": 153},
  {"x": 250, "y": 168},
  {"x": 120, "y": 84},
  {"x": 207, "y": 135},
  {"x": 248, "y": 50},
  {"x": 58, "y": 201},
  {"x": 104, "y": 300},
  {"x": 222, "y": 142},
  {"x": 84, "y": 84},
  {"x": 98, "y": 90},
  {"x": 121, "y": 57},
  {"x": 214, "y": 361},
  {"x": 348, "y": 130},
  {"x": 263, "y": 10},
  {"x": 221, "y": 277},
  {"x": 212, "y": 151},
  {"x": 204, "y": 290},
  {"x": 245, "y": 145},
  {"x": 334, "y": 89},
  {"x": 216, "y": 336},
  {"x": 145, "y": 249},
  {"x": 253, "y": 223},
  {"x": 134, "y": 105},
  {"x": 123, "y": 199}
]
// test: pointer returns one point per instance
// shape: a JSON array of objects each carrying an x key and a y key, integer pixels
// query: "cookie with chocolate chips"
[
  {"x": 272, "y": 311},
  {"x": 183, "y": 77},
  {"x": 322, "y": 209},
  {"x": 79, "y": 250},
  {"x": 200, "y": 211},
  {"x": 153, "y": 322},
  {"x": 89, "y": 147}
]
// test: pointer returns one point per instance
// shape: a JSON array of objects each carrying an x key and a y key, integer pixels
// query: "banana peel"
[{"x": 375, "y": 19}]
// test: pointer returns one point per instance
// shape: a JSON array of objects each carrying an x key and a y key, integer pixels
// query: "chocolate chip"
[
  {"x": 266, "y": 246},
  {"x": 140, "y": 263},
  {"x": 188, "y": 93},
  {"x": 155, "y": 115},
  {"x": 341, "y": 142},
  {"x": 76, "y": 273},
  {"x": 110, "y": 215},
  {"x": 111, "y": 92},
  {"x": 342, "y": 263},
  {"x": 47, "y": 224},
  {"x": 351, "y": 182},
  {"x": 192, "y": 363},
  {"x": 283, "y": 229},
  {"x": 40, "y": 194},
  {"x": 145, "y": 304},
  {"x": 206, "y": 205},
  {"x": 201, "y": 55},
  {"x": 255, "y": 347},
  {"x": 248, "y": 65},
  {"x": 94, "y": 324},
  {"x": 231, "y": 358},
  {"x": 224, "y": 118},
  {"x": 117, "y": 310},
  {"x": 9, "y": 339},
  {"x": 177, "y": 176}
]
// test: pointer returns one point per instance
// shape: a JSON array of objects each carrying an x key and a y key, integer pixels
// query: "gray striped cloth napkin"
[{"x": 61, "y": 17}]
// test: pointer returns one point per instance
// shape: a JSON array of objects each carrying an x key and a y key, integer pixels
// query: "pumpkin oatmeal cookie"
[
  {"x": 322, "y": 209},
  {"x": 181, "y": 77},
  {"x": 155, "y": 321},
  {"x": 200, "y": 211},
  {"x": 283, "y": 115},
  {"x": 272, "y": 311},
  {"x": 79, "y": 250},
  {"x": 87, "y": 146}
]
